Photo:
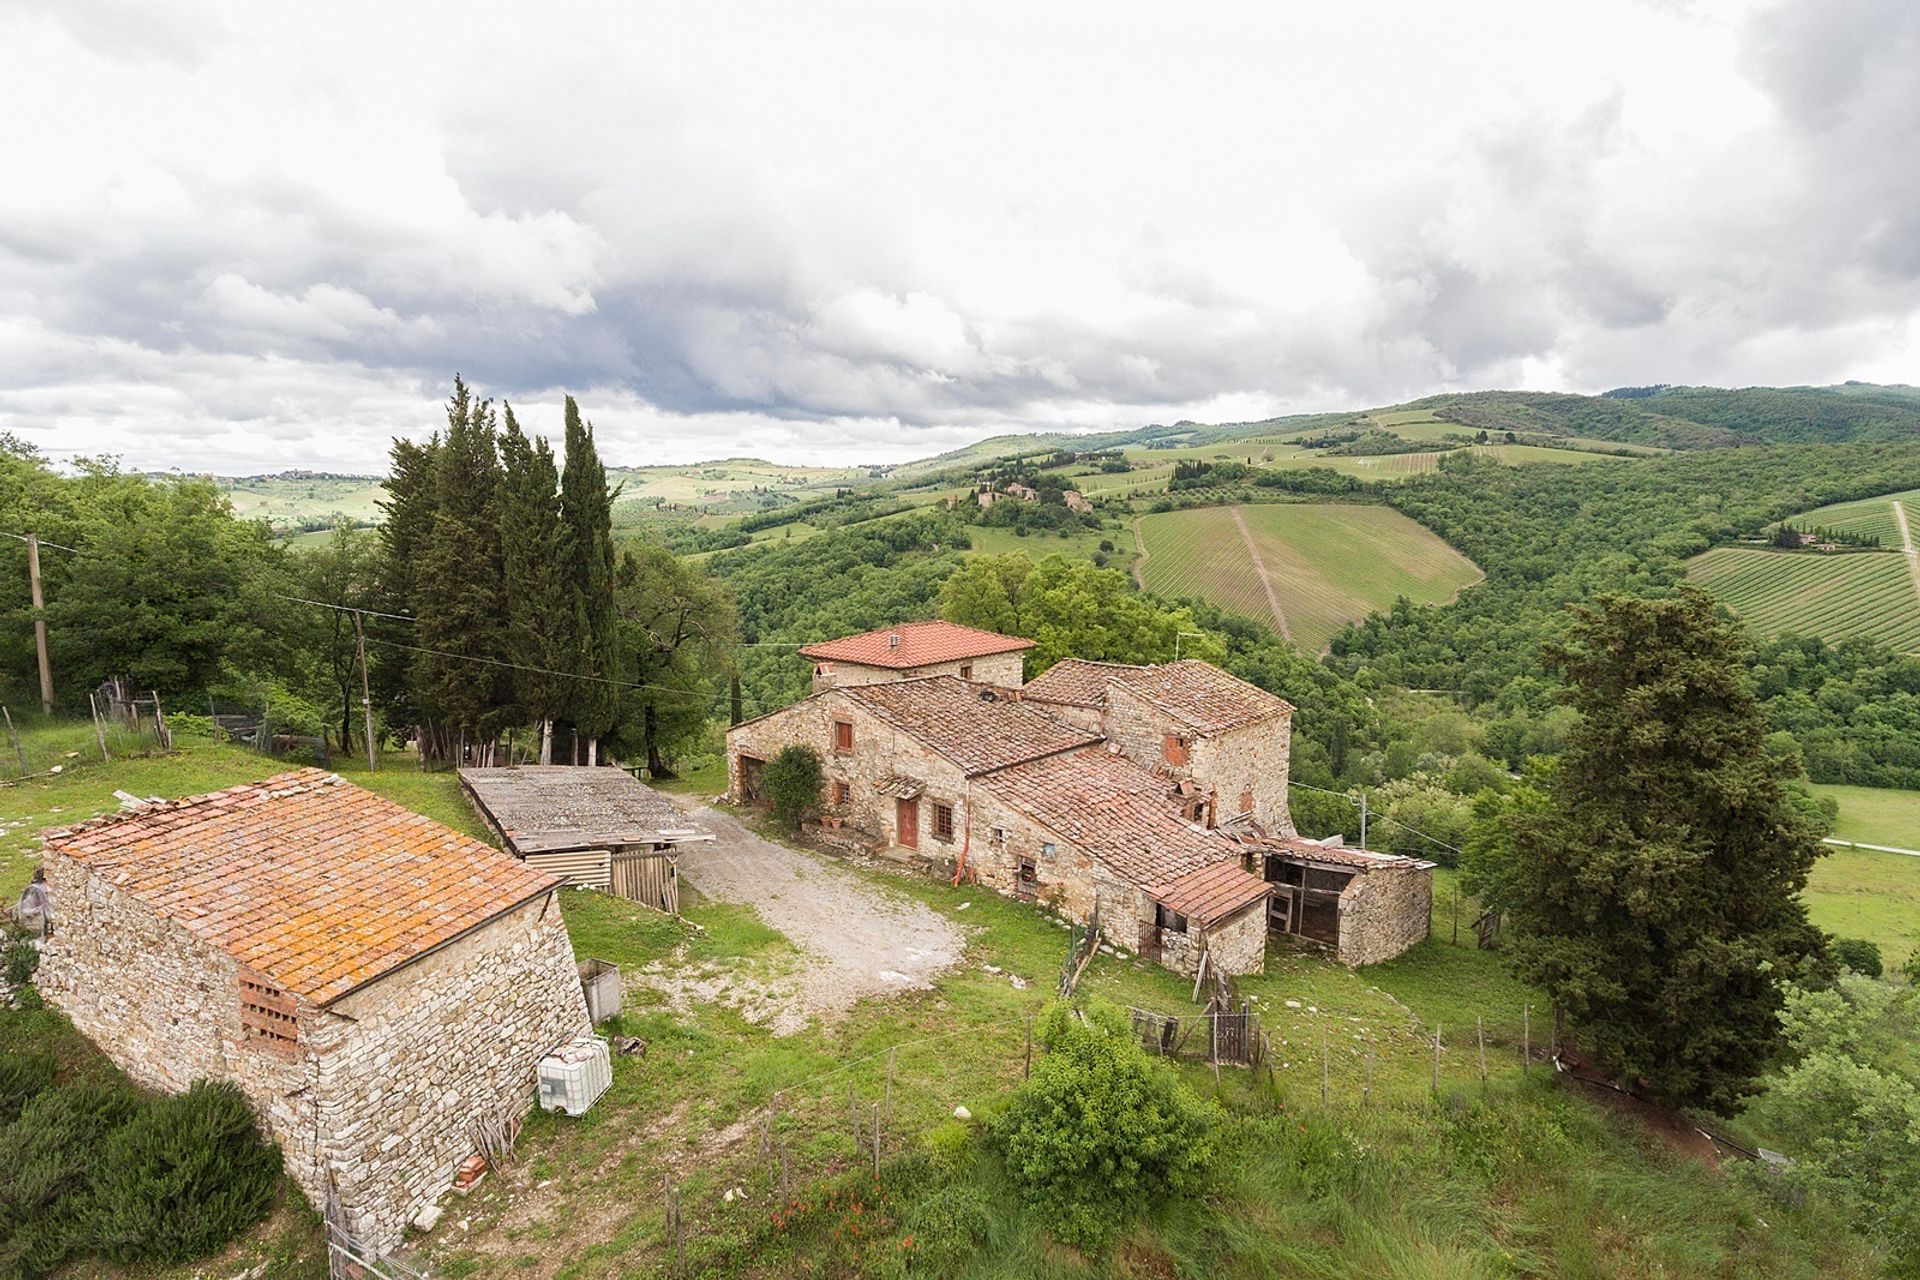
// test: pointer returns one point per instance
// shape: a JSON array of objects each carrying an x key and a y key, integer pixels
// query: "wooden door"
[{"x": 906, "y": 820}]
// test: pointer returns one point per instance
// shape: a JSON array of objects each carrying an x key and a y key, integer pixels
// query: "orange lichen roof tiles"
[
  {"x": 920, "y": 643},
  {"x": 1114, "y": 809},
  {"x": 1213, "y": 893},
  {"x": 975, "y": 726},
  {"x": 305, "y": 878}
]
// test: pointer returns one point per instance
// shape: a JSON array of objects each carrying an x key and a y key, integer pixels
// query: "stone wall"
[
  {"x": 165, "y": 1006},
  {"x": 382, "y": 1083},
  {"x": 1383, "y": 912},
  {"x": 1246, "y": 767},
  {"x": 1238, "y": 943},
  {"x": 879, "y": 750},
  {"x": 454, "y": 1035},
  {"x": 1005, "y": 670}
]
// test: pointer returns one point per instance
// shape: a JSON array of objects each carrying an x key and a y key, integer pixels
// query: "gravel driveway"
[{"x": 856, "y": 940}]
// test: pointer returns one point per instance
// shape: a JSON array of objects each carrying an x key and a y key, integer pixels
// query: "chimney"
[{"x": 893, "y": 640}]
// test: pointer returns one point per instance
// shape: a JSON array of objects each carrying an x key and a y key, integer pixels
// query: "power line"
[
  {"x": 21, "y": 537},
  {"x": 346, "y": 608},
  {"x": 1377, "y": 816},
  {"x": 520, "y": 666}
]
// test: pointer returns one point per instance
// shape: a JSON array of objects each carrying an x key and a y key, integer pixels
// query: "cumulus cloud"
[{"x": 235, "y": 237}]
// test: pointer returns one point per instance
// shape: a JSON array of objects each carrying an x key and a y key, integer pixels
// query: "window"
[
  {"x": 842, "y": 794},
  {"x": 1174, "y": 748},
  {"x": 966, "y": 671},
  {"x": 1168, "y": 919},
  {"x": 843, "y": 736},
  {"x": 1048, "y": 849},
  {"x": 267, "y": 1018},
  {"x": 942, "y": 821},
  {"x": 999, "y": 835}
]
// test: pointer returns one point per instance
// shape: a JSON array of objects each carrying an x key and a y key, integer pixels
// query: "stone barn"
[
  {"x": 914, "y": 649},
  {"x": 371, "y": 980}
]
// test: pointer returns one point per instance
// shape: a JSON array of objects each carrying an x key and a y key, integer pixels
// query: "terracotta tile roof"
[
  {"x": 1213, "y": 893},
  {"x": 920, "y": 643},
  {"x": 976, "y": 726},
  {"x": 1120, "y": 813},
  {"x": 1076, "y": 682},
  {"x": 1198, "y": 694},
  {"x": 303, "y": 877}
]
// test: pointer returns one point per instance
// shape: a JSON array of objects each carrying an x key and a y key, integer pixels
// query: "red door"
[{"x": 906, "y": 819}]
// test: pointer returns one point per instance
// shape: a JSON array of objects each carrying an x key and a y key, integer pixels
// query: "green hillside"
[{"x": 1308, "y": 569}]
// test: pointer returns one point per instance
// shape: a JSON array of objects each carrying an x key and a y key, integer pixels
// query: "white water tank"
[{"x": 573, "y": 1077}]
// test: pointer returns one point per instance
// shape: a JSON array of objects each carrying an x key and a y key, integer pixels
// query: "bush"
[
  {"x": 22, "y": 1075},
  {"x": 188, "y": 1174},
  {"x": 792, "y": 782},
  {"x": 1102, "y": 1130},
  {"x": 1858, "y": 955},
  {"x": 20, "y": 960},
  {"x": 48, "y": 1158}
]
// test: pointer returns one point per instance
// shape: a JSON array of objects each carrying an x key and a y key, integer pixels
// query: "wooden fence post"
[
  {"x": 15, "y": 735},
  {"x": 876, "y": 1142},
  {"x": 1324, "y": 1070},
  {"x": 853, "y": 1117},
  {"x": 1026, "y": 1072},
  {"x": 1366, "y": 1090},
  {"x": 1436, "y": 1057},
  {"x": 1480, "y": 1033},
  {"x": 99, "y": 730},
  {"x": 1526, "y": 1036}
]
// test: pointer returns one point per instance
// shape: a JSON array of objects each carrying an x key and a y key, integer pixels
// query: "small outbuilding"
[
  {"x": 596, "y": 828},
  {"x": 374, "y": 982}
]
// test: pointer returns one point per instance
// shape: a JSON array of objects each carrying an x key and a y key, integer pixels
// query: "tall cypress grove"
[
  {"x": 538, "y": 557},
  {"x": 587, "y": 508},
  {"x": 460, "y": 586},
  {"x": 404, "y": 536}
]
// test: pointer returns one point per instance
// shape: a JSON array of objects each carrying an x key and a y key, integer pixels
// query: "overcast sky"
[{"x": 252, "y": 236}]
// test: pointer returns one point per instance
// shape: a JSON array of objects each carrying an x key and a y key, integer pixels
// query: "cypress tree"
[
  {"x": 404, "y": 537},
  {"x": 587, "y": 507},
  {"x": 461, "y": 585},
  {"x": 537, "y": 560},
  {"x": 1656, "y": 896}
]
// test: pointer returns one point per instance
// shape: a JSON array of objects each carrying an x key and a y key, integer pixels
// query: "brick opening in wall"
[{"x": 268, "y": 1019}]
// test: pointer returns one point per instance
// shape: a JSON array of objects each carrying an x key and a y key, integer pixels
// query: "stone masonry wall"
[
  {"x": 1004, "y": 670},
  {"x": 382, "y": 1083},
  {"x": 878, "y": 750},
  {"x": 1238, "y": 943},
  {"x": 454, "y": 1035},
  {"x": 1249, "y": 762},
  {"x": 1383, "y": 912},
  {"x": 165, "y": 1006}
]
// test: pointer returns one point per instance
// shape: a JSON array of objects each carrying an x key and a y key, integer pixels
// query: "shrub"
[
  {"x": 948, "y": 1144},
  {"x": 21, "y": 959},
  {"x": 1101, "y": 1130},
  {"x": 792, "y": 782},
  {"x": 22, "y": 1075},
  {"x": 1912, "y": 968},
  {"x": 1858, "y": 955},
  {"x": 188, "y": 1174},
  {"x": 48, "y": 1157}
]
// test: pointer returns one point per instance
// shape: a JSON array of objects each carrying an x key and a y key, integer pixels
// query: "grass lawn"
[{"x": 1875, "y": 815}]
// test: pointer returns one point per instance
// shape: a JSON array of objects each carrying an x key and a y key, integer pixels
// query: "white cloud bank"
[{"x": 236, "y": 237}]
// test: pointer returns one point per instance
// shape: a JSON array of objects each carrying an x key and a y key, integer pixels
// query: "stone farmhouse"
[
  {"x": 915, "y": 649},
  {"x": 1159, "y": 792},
  {"x": 371, "y": 980}
]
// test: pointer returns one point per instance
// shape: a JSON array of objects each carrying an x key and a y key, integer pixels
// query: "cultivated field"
[
  {"x": 1871, "y": 517},
  {"x": 285, "y": 503},
  {"x": 1863, "y": 893},
  {"x": 1308, "y": 568},
  {"x": 1834, "y": 596}
]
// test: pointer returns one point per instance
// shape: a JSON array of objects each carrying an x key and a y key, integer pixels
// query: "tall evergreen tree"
[
  {"x": 1657, "y": 897},
  {"x": 587, "y": 506},
  {"x": 404, "y": 536},
  {"x": 537, "y": 559},
  {"x": 461, "y": 586}
]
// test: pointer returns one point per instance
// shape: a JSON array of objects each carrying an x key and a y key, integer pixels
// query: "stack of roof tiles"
[{"x": 307, "y": 879}]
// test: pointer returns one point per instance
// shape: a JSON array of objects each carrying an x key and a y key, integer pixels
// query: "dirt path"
[
  {"x": 1906, "y": 545},
  {"x": 855, "y": 939},
  {"x": 1139, "y": 560},
  {"x": 1260, "y": 567}
]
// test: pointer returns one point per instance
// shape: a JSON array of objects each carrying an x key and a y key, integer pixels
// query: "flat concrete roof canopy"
[{"x": 550, "y": 808}]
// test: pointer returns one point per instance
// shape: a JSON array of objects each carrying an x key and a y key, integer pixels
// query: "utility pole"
[
  {"x": 366, "y": 693},
  {"x": 1363, "y": 819},
  {"x": 39, "y": 623}
]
